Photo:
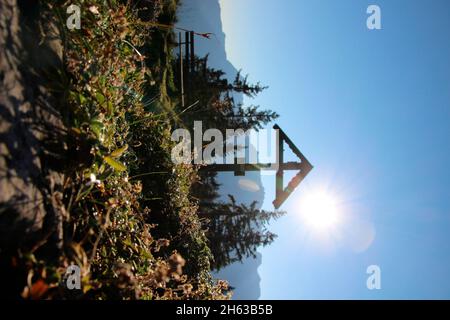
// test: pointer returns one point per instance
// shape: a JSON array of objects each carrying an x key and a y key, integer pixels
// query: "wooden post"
[
  {"x": 181, "y": 69},
  {"x": 186, "y": 42},
  {"x": 187, "y": 66},
  {"x": 280, "y": 173},
  {"x": 191, "y": 35}
]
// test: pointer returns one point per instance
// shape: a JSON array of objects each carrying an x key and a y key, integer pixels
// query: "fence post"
[{"x": 181, "y": 69}]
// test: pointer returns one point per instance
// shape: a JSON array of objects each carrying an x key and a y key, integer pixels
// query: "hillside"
[
  {"x": 85, "y": 155},
  {"x": 94, "y": 204}
]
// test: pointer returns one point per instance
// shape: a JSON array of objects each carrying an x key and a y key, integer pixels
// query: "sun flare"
[{"x": 319, "y": 211}]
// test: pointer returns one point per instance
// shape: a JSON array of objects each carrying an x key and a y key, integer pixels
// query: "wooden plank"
[
  {"x": 280, "y": 173},
  {"x": 180, "y": 45},
  {"x": 191, "y": 39},
  {"x": 186, "y": 42}
]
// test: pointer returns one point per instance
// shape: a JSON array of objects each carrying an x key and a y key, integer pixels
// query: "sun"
[{"x": 319, "y": 211}]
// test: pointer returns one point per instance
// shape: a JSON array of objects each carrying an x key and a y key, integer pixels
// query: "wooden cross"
[{"x": 304, "y": 167}]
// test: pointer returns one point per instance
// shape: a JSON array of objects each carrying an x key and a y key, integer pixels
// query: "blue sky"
[{"x": 371, "y": 110}]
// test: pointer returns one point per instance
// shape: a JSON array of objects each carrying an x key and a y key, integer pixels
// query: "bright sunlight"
[{"x": 319, "y": 211}]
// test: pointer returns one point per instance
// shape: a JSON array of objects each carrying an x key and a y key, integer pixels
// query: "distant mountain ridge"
[{"x": 204, "y": 16}]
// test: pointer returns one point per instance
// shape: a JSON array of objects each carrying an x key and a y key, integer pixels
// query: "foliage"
[
  {"x": 215, "y": 105},
  {"x": 236, "y": 231},
  {"x": 131, "y": 225},
  {"x": 131, "y": 219}
]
